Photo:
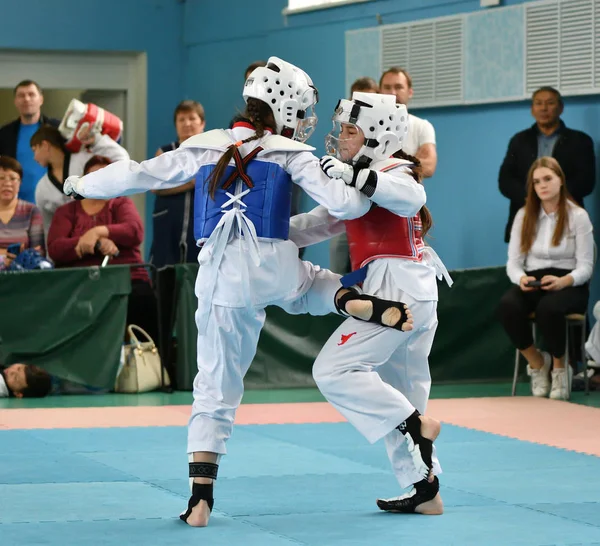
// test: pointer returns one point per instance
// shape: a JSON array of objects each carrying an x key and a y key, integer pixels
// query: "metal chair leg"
[
  {"x": 516, "y": 372},
  {"x": 567, "y": 360},
  {"x": 586, "y": 379}
]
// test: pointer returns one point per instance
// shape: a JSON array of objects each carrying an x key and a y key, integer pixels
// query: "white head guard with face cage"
[
  {"x": 291, "y": 95},
  {"x": 383, "y": 123}
]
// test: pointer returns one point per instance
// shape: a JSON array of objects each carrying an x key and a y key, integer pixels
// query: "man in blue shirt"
[{"x": 15, "y": 136}]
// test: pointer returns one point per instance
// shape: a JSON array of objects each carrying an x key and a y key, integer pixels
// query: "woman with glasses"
[{"x": 20, "y": 221}]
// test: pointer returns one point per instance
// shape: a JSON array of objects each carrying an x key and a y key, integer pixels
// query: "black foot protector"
[
  {"x": 201, "y": 491},
  {"x": 420, "y": 448},
  {"x": 379, "y": 307},
  {"x": 421, "y": 492}
]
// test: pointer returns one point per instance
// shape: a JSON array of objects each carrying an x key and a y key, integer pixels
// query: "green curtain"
[
  {"x": 470, "y": 343},
  {"x": 69, "y": 321}
]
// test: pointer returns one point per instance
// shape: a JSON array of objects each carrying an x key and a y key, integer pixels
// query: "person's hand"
[
  {"x": 523, "y": 283},
  {"x": 87, "y": 242},
  {"x": 552, "y": 283},
  {"x": 85, "y": 135},
  {"x": 334, "y": 168},
  {"x": 70, "y": 187},
  {"x": 10, "y": 256},
  {"x": 107, "y": 247}
]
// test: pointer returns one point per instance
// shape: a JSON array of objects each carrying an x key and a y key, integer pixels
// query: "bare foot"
[
  {"x": 434, "y": 507},
  {"x": 200, "y": 515},
  {"x": 393, "y": 315}
]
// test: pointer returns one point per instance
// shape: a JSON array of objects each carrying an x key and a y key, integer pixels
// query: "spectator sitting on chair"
[
  {"x": 550, "y": 262},
  {"x": 24, "y": 381},
  {"x": 20, "y": 221},
  {"x": 83, "y": 232}
]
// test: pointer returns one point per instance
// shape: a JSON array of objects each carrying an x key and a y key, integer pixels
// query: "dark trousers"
[
  {"x": 142, "y": 309},
  {"x": 550, "y": 309},
  {"x": 173, "y": 224}
]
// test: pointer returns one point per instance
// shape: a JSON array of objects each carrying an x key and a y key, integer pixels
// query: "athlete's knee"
[{"x": 324, "y": 374}]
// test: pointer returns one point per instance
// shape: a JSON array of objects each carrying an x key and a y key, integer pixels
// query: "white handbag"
[{"x": 141, "y": 371}]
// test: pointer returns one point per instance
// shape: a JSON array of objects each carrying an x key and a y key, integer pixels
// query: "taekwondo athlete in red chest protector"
[
  {"x": 244, "y": 179},
  {"x": 378, "y": 378}
]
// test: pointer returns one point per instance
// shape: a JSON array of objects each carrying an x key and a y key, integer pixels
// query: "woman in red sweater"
[{"x": 83, "y": 232}]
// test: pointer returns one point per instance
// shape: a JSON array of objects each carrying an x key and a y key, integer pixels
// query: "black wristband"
[{"x": 370, "y": 185}]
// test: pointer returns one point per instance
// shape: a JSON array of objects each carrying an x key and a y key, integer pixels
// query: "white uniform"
[
  {"x": 239, "y": 274},
  {"x": 592, "y": 345},
  {"x": 375, "y": 376},
  {"x": 4, "y": 392},
  {"x": 48, "y": 197},
  {"x": 420, "y": 132}
]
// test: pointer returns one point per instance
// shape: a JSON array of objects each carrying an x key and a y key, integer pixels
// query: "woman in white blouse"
[{"x": 550, "y": 260}]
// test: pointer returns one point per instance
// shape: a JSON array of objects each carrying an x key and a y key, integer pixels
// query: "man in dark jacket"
[
  {"x": 14, "y": 136},
  {"x": 574, "y": 151}
]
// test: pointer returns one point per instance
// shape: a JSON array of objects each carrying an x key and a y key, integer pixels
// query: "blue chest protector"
[{"x": 268, "y": 204}]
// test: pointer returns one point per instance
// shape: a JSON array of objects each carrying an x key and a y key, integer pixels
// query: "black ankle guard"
[
  {"x": 412, "y": 426},
  {"x": 204, "y": 470},
  {"x": 379, "y": 307},
  {"x": 201, "y": 491},
  {"x": 422, "y": 491}
]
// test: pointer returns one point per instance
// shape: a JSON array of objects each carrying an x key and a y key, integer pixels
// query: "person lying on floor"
[{"x": 24, "y": 381}]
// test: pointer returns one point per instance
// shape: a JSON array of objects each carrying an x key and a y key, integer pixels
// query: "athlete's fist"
[{"x": 334, "y": 168}]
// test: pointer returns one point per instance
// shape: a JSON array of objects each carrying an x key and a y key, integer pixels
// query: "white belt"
[
  {"x": 431, "y": 258},
  {"x": 213, "y": 250}
]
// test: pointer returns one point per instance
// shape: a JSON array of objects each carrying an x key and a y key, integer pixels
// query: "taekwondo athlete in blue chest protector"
[{"x": 244, "y": 178}]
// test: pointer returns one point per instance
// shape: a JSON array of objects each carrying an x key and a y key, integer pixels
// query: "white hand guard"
[
  {"x": 334, "y": 168},
  {"x": 73, "y": 186}
]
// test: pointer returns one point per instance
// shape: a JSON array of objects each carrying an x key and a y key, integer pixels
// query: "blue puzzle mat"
[{"x": 288, "y": 485}]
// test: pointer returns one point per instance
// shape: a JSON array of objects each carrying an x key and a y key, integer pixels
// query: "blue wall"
[{"x": 468, "y": 210}]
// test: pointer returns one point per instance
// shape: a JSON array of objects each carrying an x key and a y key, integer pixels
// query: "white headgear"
[
  {"x": 291, "y": 95},
  {"x": 383, "y": 123}
]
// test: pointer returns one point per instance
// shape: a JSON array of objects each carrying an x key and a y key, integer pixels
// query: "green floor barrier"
[
  {"x": 470, "y": 343},
  {"x": 69, "y": 321}
]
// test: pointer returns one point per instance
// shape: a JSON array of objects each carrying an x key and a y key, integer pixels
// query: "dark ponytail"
[
  {"x": 417, "y": 172},
  {"x": 261, "y": 116}
]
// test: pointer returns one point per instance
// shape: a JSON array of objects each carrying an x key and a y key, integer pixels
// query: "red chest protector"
[{"x": 383, "y": 234}]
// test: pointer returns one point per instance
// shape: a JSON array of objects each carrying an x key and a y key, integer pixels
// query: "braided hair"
[
  {"x": 417, "y": 173},
  {"x": 261, "y": 116}
]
